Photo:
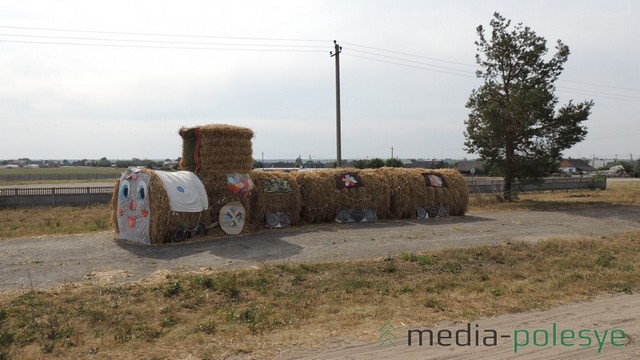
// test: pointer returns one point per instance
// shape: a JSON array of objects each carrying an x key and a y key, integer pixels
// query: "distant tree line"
[{"x": 376, "y": 163}]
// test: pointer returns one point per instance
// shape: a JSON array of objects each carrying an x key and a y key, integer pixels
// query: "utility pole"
[
  {"x": 336, "y": 52},
  {"x": 392, "y": 152}
]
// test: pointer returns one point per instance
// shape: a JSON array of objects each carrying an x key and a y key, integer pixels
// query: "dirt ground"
[
  {"x": 52, "y": 260},
  {"x": 46, "y": 262}
]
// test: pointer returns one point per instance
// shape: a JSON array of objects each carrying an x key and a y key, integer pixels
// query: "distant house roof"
[
  {"x": 578, "y": 164},
  {"x": 422, "y": 164},
  {"x": 465, "y": 166},
  {"x": 611, "y": 164},
  {"x": 280, "y": 164}
]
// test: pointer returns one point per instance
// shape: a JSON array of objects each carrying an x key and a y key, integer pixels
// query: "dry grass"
[
  {"x": 617, "y": 193},
  {"x": 258, "y": 313},
  {"x": 52, "y": 221}
]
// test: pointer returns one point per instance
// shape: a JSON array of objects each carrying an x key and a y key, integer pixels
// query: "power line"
[
  {"x": 608, "y": 96},
  {"x": 475, "y": 66},
  {"x": 283, "y": 48},
  {"x": 612, "y": 137},
  {"x": 157, "y": 46},
  {"x": 159, "y": 41},
  {"x": 600, "y": 85},
  {"x": 412, "y": 61},
  {"x": 412, "y": 55},
  {"x": 410, "y": 66},
  {"x": 159, "y": 34}
]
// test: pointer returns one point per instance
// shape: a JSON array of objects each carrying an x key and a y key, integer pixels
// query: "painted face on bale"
[{"x": 133, "y": 206}]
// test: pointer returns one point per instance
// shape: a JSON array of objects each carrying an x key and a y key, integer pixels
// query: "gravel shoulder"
[{"x": 53, "y": 260}]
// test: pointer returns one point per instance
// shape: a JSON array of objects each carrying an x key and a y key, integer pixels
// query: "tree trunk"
[
  {"x": 508, "y": 185},
  {"x": 509, "y": 171}
]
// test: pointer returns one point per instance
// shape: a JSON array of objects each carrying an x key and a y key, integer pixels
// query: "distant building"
[
  {"x": 421, "y": 164},
  {"x": 598, "y": 163},
  {"x": 472, "y": 167},
  {"x": 169, "y": 165},
  {"x": 576, "y": 167}
]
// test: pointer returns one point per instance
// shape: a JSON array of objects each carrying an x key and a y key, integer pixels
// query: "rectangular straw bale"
[
  {"x": 223, "y": 148},
  {"x": 458, "y": 196},
  {"x": 407, "y": 191},
  {"x": 321, "y": 198},
  {"x": 219, "y": 195},
  {"x": 455, "y": 195},
  {"x": 263, "y": 202}
]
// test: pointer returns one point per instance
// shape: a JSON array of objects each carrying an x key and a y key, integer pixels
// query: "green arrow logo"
[{"x": 387, "y": 335}]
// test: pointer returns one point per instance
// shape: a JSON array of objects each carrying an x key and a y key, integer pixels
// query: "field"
[
  {"x": 22, "y": 176},
  {"x": 264, "y": 310},
  {"x": 67, "y": 170}
]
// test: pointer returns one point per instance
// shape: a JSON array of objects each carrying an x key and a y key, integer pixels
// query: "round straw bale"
[
  {"x": 113, "y": 206},
  {"x": 162, "y": 221}
]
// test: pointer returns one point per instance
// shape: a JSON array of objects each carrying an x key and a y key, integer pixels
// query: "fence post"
[
  {"x": 15, "y": 197},
  {"x": 53, "y": 197},
  {"x": 88, "y": 196}
]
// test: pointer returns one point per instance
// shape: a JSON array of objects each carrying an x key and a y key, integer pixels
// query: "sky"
[{"x": 118, "y": 79}]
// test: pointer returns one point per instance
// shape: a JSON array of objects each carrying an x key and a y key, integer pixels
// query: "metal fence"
[
  {"x": 56, "y": 196},
  {"x": 487, "y": 186}
]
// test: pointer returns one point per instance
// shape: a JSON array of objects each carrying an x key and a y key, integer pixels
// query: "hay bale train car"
[{"x": 217, "y": 186}]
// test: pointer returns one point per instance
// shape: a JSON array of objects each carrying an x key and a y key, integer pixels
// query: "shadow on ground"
[{"x": 272, "y": 244}]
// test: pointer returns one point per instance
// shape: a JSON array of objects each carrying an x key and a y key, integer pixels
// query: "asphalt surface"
[{"x": 49, "y": 261}]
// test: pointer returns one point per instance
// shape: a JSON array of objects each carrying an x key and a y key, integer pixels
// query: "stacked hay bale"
[
  {"x": 154, "y": 204},
  {"x": 321, "y": 197},
  {"x": 409, "y": 190},
  {"x": 456, "y": 195},
  {"x": 213, "y": 152},
  {"x": 267, "y": 198}
]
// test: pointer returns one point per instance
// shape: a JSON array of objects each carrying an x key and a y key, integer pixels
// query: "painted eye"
[
  {"x": 141, "y": 191},
  {"x": 124, "y": 189}
]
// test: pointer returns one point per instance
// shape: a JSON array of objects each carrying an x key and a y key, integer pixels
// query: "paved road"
[{"x": 49, "y": 261}]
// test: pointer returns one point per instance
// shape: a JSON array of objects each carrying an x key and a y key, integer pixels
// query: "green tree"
[
  {"x": 393, "y": 163},
  {"x": 361, "y": 164},
  {"x": 376, "y": 163},
  {"x": 103, "y": 162},
  {"x": 257, "y": 164},
  {"x": 512, "y": 123}
]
